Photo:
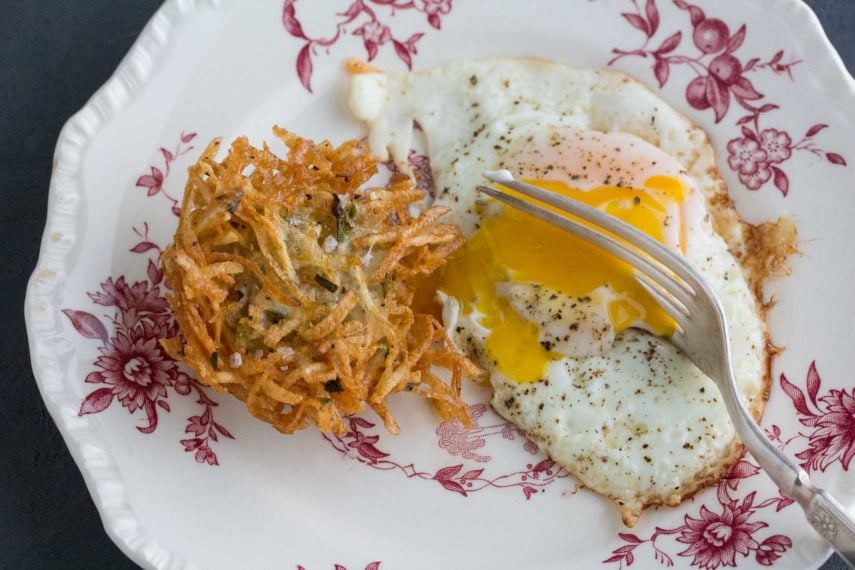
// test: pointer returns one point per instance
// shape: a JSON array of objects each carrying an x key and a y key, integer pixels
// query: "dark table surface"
[{"x": 53, "y": 55}]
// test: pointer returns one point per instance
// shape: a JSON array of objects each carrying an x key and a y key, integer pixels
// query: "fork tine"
[
  {"x": 662, "y": 255},
  {"x": 599, "y": 239},
  {"x": 649, "y": 283},
  {"x": 668, "y": 304}
]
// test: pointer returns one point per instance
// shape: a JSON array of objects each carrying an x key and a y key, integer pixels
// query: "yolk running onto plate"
[{"x": 515, "y": 247}]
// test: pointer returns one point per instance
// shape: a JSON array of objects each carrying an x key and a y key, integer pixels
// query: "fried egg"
[{"x": 577, "y": 351}]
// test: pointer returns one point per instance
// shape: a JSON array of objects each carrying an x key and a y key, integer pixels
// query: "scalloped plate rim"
[{"x": 88, "y": 450}]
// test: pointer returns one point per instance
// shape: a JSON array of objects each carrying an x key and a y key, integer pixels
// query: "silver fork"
[{"x": 702, "y": 336}]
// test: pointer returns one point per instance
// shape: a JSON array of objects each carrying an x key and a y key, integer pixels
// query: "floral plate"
[{"x": 185, "y": 478}]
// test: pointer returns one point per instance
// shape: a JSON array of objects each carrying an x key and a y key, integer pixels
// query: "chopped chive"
[
  {"x": 325, "y": 401},
  {"x": 339, "y": 229},
  {"x": 326, "y": 283},
  {"x": 340, "y": 222},
  {"x": 215, "y": 359}
]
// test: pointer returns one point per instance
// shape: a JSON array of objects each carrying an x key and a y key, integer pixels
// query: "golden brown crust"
[
  {"x": 706, "y": 478},
  {"x": 763, "y": 251},
  {"x": 356, "y": 66},
  {"x": 292, "y": 285}
]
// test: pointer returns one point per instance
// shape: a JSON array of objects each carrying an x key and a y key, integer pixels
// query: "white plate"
[{"x": 186, "y": 478}]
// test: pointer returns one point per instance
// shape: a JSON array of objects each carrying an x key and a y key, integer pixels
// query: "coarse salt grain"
[
  {"x": 285, "y": 351},
  {"x": 330, "y": 244},
  {"x": 366, "y": 257}
]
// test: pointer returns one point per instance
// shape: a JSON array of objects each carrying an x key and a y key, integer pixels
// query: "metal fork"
[{"x": 703, "y": 337}]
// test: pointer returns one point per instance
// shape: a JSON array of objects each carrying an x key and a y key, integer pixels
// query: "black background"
[{"x": 53, "y": 56}]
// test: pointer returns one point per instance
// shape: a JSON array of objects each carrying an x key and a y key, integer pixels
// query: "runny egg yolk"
[{"x": 512, "y": 246}]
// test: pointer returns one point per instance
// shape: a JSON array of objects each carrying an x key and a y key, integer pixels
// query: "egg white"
[{"x": 628, "y": 415}]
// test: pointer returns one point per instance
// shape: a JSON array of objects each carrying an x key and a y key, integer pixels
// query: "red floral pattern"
[
  {"x": 457, "y": 440},
  {"x": 715, "y": 539},
  {"x": 361, "y": 444},
  {"x": 420, "y": 166},
  {"x": 718, "y": 536},
  {"x": 372, "y": 30},
  {"x": 133, "y": 368},
  {"x": 831, "y": 419},
  {"x": 726, "y": 533},
  {"x": 459, "y": 478},
  {"x": 374, "y": 34},
  {"x": 153, "y": 182},
  {"x": 722, "y": 83},
  {"x": 136, "y": 368}
]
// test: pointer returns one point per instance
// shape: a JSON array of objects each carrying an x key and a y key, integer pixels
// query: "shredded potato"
[{"x": 292, "y": 286}]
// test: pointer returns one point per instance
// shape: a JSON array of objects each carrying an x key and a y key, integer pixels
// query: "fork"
[{"x": 687, "y": 297}]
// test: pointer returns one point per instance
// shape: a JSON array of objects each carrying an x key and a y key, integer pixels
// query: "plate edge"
[
  {"x": 65, "y": 215},
  {"x": 66, "y": 219}
]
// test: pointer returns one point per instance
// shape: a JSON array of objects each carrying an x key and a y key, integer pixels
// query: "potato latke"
[{"x": 292, "y": 286}]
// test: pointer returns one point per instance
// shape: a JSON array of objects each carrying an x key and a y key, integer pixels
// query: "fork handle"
[
  {"x": 830, "y": 520},
  {"x": 824, "y": 513}
]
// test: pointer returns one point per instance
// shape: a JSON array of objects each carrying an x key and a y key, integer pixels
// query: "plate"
[{"x": 185, "y": 478}]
